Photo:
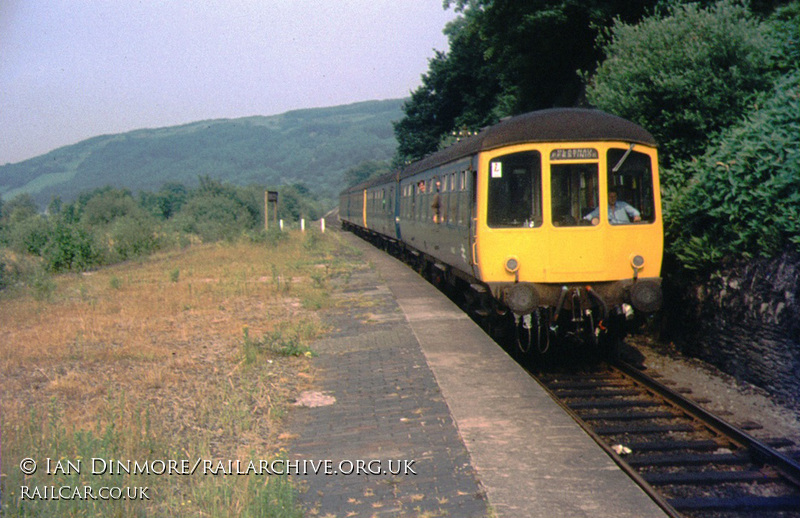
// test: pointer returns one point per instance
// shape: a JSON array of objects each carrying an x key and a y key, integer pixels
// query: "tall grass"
[{"x": 146, "y": 361}]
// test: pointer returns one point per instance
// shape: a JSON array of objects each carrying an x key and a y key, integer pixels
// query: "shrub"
[
  {"x": 29, "y": 235},
  {"x": 214, "y": 217},
  {"x": 106, "y": 205},
  {"x": 133, "y": 236},
  {"x": 744, "y": 197},
  {"x": 70, "y": 247},
  {"x": 686, "y": 75}
]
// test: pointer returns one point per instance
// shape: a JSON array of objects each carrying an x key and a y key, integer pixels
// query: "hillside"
[{"x": 313, "y": 146}]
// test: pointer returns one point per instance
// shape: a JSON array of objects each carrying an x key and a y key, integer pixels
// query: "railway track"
[{"x": 691, "y": 462}]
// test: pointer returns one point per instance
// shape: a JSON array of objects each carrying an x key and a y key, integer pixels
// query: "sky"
[{"x": 75, "y": 69}]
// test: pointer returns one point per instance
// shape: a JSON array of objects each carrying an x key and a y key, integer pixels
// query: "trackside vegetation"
[
  {"x": 109, "y": 225},
  {"x": 719, "y": 87},
  {"x": 165, "y": 376},
  {"x": 715, "y": 81},
  {"x": 165, "y": 327}
]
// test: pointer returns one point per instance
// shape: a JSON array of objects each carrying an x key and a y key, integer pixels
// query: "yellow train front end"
[{"x": 570, "y": 228}]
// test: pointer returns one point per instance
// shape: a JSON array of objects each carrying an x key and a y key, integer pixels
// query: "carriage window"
[
  {"x": 515, "y": 190},
  {"x": 574, "y": 190},
  {"x": 630, "y": 176}
]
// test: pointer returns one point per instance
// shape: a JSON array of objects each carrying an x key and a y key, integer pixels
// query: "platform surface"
[{"x": 407, "y": 376}]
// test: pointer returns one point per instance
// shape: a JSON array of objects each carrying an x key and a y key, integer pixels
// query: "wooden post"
[{"x": 270, "y": 198}]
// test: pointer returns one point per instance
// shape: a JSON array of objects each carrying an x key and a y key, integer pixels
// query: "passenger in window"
[
  {"x": 619, "y": 212},
  {"x": 437, "y": 204}
]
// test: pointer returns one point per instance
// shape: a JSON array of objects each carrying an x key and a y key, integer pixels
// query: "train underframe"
[{"x": 536, "y": 320}]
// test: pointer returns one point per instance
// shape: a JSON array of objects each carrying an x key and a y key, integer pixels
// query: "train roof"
[{"x": 552, "y": 125}]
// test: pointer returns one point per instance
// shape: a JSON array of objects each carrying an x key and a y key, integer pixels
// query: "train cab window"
[
  {"x": 515, "y": 191},
  {"x": 574, "y": 193},
  {"x": 630, "y": 175}
]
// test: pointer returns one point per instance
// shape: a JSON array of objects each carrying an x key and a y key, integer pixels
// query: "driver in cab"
[{"x": 619, "y": 212}]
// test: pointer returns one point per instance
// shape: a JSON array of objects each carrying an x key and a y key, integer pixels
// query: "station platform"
[{"x": 441, "y": 420}]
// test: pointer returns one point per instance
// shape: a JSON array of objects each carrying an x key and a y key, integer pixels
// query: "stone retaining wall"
[{"x": 746, "y": 321}]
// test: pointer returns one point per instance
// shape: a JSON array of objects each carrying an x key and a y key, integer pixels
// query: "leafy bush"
[
  {"x": 132, "y": 236},
  {"x": 166, "y": 202},
  {"x": 29, "y": 235},
  {"x": 744, "y": 197},
  {"x": 106, "y": 205},
  {"x": 108, "y": 225},
  {"x": 686, "y": 75},
  {"x": 214, "y": 217},
  {"x": 19, "y": 208},
  {"x": 70, "y": 247}
]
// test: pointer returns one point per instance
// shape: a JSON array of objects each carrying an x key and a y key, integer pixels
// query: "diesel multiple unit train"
[{"x": 549, "y": 222}]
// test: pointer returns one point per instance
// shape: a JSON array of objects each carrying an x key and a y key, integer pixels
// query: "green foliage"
[
  {"x": 20, "y": 208},
  {"x": 460, "y": 89},
  {"x": 296, "y": 201},
  {"x": 104, "y": 206},
  {"x": 365, "y": 171},
  {"x": 70, "y": 247},
  {"x": 506, "y": 57},
  {"x": 744, "y": 194},
  {"x": 272, "y": 237},
  {"x": 108, "y": 225},
  {"x": 42, "y": 285},
  {"x": 686, "y": 75},
  {"x": 28, "y": 235},
  {"x": 288, "y": 339},
  {"x": 5, "y": 274},
  {"x": 784, "y": 28},
  {"x": 132, "y": 236},
  {"x": 166, "y": 202},
  {"x": 213, "y": 217}
]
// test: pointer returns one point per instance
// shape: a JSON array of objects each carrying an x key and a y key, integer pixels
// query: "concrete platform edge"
[{"x": 532, "y": 458}]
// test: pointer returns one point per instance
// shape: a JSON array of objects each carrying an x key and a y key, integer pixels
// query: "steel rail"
[
  {"x": 649, "y": 490},
  {"x": 761, "y": 452}
]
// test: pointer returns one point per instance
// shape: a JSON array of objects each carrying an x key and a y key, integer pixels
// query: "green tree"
[
  {"x": 364, "y": 171},
  {"x": 19, "y": 208},
  {"x": 132, "y": 236},
  {"x": 213, "y": 217},
  {"x": 744, "y": 197},
  {"x": 296, "y": 201},
  {"x": 166, "y": 202},
  {"x": 106, "y": 205},
  {"x": 460, "y": 89},
  {"x": 506, "y": 57},
  {"x": 69, "y": 247},
  {"x": 685, "y": 75}
]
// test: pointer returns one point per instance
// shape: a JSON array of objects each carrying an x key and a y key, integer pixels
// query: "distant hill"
[{"x": 313, "y": 146}]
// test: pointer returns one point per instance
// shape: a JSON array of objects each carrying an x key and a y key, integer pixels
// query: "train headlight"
[
  {"x": 637, "y": 261},
  {"x": 512, "y": 264},
  {"x": 521, "y": 298},
  {"x": 646, "y": 296}
]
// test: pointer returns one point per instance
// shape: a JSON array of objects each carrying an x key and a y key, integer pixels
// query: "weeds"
[
  {"x": 160, "y": 375},
  {"x": 287, "y": 339}
]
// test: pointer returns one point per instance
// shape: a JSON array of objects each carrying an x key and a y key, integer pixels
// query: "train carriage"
[{"x": 551, "y": 218}]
